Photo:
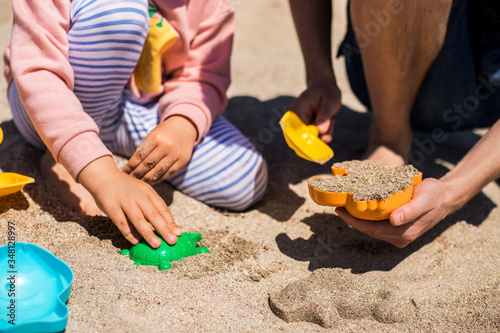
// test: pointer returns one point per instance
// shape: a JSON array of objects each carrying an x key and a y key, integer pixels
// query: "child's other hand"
[
  {"x": 166, "y": 150},
  {"x": 130, "y": 203}
]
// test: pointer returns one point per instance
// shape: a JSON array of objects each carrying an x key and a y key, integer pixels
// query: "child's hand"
[
  {"x": 166, "y": 150},
  {"x": 129, "y": 203}
]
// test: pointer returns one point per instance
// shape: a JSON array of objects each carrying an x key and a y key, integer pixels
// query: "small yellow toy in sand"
[
  {"x": 12, "y": 182},
  {"x": 304, "y": 139}
]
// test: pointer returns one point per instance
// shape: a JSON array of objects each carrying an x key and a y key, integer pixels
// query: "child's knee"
[
  {"x": 130, "y": 15},
  {"x": 249, "y": 190}
]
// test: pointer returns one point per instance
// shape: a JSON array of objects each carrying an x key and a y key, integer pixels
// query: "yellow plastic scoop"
[
  {"x": 12, "y": 182},
  {"x": 304, "y": 139}
]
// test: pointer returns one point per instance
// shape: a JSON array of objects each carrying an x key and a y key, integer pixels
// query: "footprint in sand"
[{"x": 332, "y": 293}]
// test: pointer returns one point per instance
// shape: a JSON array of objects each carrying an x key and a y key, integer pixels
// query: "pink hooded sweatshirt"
[{"x": 37, "y": 59}]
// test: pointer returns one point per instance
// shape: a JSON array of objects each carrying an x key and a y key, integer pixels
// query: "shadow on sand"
[
  {"x": 333, "y": 244},
  {"x": 25, "y": 159}
]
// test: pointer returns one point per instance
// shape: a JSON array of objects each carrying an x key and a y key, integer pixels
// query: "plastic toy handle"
[
  {"x": 304, "y": 139},
  {"x": 313, "y": 130}
]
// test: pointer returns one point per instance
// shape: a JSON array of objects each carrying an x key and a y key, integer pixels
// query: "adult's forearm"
[
  {"x": 479, "y": 167},
  {"x": 313, "y": 20}
]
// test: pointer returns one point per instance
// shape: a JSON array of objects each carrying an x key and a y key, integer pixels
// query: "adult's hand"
[
  {"x": 318, "y": 104},
  {"x": 429, "y": 205},
  {"x": 434, "y": 199}
]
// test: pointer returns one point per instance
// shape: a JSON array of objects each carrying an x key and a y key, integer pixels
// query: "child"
[{"x": 74, "y": 91}]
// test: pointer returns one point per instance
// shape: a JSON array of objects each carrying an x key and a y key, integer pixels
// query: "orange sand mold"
[{"x": 366, "y": 210}]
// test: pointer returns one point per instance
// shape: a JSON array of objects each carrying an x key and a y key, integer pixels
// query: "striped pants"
[{"x": 105, "y": 41}]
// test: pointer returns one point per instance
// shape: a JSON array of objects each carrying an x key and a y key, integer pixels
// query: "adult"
[{"x": 429, "y": 65}]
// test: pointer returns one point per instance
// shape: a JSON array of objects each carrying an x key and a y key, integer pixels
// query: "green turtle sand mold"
[{"x": 143, "y": 254}]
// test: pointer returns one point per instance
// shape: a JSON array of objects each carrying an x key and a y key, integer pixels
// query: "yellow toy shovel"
[
  {"x": 304, "y": 139},
  {"x": 161, "y": 37},
  {"x": 12, "y": 182}
]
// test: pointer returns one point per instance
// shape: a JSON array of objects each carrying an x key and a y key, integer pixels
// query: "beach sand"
[{"x": 286, "y": 264}]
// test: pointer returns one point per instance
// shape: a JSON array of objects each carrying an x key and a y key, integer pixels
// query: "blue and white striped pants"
[{"x": 105, "y": 41}]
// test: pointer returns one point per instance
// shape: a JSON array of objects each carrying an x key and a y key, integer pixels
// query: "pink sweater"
[{"x": 37, "y": 59}]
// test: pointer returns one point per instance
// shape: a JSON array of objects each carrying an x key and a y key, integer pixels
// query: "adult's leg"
[
  {"x": 396, "y": 57},
  {"x": 105, "y": 41}
]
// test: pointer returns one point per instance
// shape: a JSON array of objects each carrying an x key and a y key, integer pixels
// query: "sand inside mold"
[{"x": 367, "y": 180}]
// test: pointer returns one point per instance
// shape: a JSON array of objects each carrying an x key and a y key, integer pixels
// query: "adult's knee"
[{"x": 370, "y": 17}]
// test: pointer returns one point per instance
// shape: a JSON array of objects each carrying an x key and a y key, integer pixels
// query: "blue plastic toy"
[{"x": 34, "y": 287}]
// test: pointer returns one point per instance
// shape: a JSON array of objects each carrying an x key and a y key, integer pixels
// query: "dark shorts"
[{"x": 461, "y": 89}]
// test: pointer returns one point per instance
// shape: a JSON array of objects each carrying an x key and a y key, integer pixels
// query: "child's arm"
[
  {"x": 194, "y": 96},
  {"x": 44, "y": 80},
  {"x": 197, "y": 91}
]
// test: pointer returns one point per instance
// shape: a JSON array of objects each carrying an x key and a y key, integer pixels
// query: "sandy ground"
[{"x": 286, "y": 264}]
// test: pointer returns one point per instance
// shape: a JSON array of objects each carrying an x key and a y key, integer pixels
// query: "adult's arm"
[
  {"x": 321, "y": 100},
  {"x": 434, "y": 199}
]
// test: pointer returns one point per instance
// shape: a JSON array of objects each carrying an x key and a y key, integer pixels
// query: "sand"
[
  {"x": 367, "y": 180},
  {"x": 285, "y": 253}
]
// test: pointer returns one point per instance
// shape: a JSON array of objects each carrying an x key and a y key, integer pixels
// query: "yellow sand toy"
[
  {"x": 304, "y": 139},
  {"x": 12, "y": 182},
  {"x": 161, "y": 37}
]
